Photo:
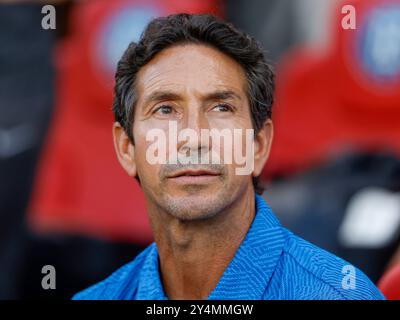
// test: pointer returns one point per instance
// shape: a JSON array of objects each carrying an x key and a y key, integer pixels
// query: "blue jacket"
[{"x": 271, "y": 263}]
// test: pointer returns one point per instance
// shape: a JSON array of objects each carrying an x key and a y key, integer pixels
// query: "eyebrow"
[
  {"x": 161, "y": 95},
  {"x": 170, "y": 95},
  {"x": 222, "y": 95}
]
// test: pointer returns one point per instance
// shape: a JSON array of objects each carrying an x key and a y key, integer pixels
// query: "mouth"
[{"x": 192, "y": 176}]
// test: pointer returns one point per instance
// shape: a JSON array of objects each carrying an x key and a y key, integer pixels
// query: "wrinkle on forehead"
[{"x": 191, "y": 69}]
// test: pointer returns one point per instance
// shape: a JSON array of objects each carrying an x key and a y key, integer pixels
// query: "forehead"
[{"x": 191, "y": 69}]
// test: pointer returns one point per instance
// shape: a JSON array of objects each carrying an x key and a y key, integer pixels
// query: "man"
[{"x": 214, "y": 237}]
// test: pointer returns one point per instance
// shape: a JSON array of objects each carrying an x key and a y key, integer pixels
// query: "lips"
[{"x": 194, "y": 173}]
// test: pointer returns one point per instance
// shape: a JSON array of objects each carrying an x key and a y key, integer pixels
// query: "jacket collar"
[{"x": 248, "y": 274}]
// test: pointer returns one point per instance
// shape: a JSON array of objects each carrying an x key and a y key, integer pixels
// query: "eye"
[
  {"x": 222, "y": 108},
  {"x": 164, "y": 110}
]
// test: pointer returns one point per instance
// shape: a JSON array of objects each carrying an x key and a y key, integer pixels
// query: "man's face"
[{"x": 192, "y": 87}]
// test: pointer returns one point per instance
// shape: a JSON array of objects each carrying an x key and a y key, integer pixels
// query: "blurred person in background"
[
  {"x": 336, "y": 182},
  {"x": 26, "y": 102}
]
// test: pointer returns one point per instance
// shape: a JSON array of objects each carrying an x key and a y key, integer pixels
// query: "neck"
[{"x": 194, "y": 254}]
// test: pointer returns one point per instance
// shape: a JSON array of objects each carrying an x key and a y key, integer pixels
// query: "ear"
[
  {"x": 262, "y": 146},
  {"x": 125, "y": 149}
]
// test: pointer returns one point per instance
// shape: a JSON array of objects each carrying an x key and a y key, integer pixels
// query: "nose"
[{"x": 190, "y": 139}]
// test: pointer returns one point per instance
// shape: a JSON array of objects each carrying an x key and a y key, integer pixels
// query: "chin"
[{"x": 195, "y": 207}]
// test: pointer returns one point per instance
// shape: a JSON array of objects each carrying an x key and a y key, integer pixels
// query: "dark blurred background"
[{"x": 333, "y": 176}]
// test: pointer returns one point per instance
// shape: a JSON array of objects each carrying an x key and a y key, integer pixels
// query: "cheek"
[
  {"x": 153, "y": 145},
  {"x": 237, "y": 181},
  {"x": 234, "y": 122},
  {"x": 147, "y": 172},
  {"x": 240, "y": 146}
]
